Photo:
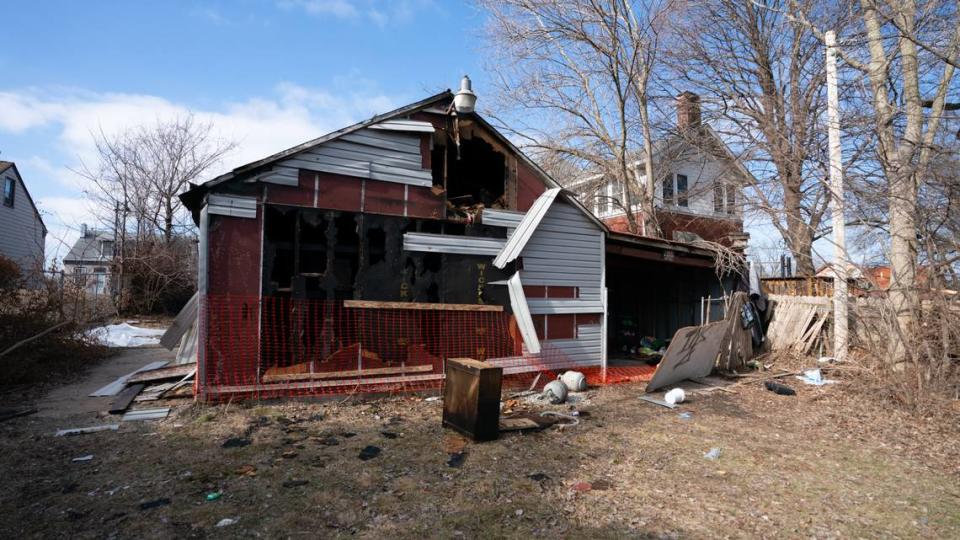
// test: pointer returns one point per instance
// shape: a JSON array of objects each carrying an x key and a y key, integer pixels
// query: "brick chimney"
[{"x": 688, "y": 111}]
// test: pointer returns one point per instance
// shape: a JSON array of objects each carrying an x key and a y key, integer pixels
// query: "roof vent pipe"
[{"x": 465, "y": 100}]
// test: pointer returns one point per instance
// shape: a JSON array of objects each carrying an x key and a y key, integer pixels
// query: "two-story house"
[
  {"x": 698, "y": 191},
  {"x": 22, "y": 232},
  {"x": 89, "y": 260}
]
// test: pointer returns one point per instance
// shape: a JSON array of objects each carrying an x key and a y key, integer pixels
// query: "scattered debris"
[
  {"x": 118, "y": 385},
  {"x": 601, "y": 485},
  {"x": 573, "y": 420},
  {"x": 154, "y": 503},
  {"x": 692, "y": 353},
  {"x": 164, "y": 373},
  {"x": 433, "y": 398},
  {"x": 655, "y": 401},
  {"x": 713, "y": 454},
  {"x": 214, "y": 495},
  {"x": 453, "y": 443},
  {"x": 7, "y": 414},
  {"x": 329, "y": 441},
  {"x": 247, "y": 470},
  {"x": 295, "y": 483},
  {"x": 226, "y": 522},
  {"x": 83, "y": 430},
  {"x": 780, "y": 389},
  {"x": 126, "y": 335},
  {"x": 677, "y": 395},
  {"x": 517, "y": 424},
  {"x": 685, "y": 415},
  {"x": 369, "y": 453},
  {"x": 289, "y": 454},
  {"x": 146, "y": 414},
  {"x": 538, "y": 477},
  {"x": 235, "y": 442},
  {"x": 555, "y": 392},
  {"x": 582, "y": 487},
  {"x": 389, "y": 434},
  {"x": 814, "y": 377},
  {"x": 456, "y": 460},
  {"x": 80, "y": 459},
  {"x": 124, "y": 398}
]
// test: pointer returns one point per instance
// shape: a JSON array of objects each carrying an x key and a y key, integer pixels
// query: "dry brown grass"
[{"x": 831, "y": 461}]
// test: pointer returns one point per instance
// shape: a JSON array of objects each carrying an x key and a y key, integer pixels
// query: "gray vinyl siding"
[
  {"x": 368, "y": 153},
  {"x": 21, "y": 230},
  {"x": 567, "y": 250}
]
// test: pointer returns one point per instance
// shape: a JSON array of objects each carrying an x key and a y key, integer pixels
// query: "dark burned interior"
[
  {"x": 472, "y": 172},
  {"x": 331, "y": 255}
]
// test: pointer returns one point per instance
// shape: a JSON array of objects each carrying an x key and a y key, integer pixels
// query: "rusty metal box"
[{"x": 471, "y": 398}]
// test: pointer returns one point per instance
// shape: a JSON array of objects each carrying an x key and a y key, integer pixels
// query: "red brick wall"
[{"x": 708, "y": 228}]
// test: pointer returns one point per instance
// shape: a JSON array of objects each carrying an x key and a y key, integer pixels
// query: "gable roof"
[
  {"x": 4, "y": 165},
  {"x": 193, "y": 197},
  {"x": 87, "y": 249}
]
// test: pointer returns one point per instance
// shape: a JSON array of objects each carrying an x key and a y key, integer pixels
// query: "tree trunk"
[{"x": 799, "y": 236}]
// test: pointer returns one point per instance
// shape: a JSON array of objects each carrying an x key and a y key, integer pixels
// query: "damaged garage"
[{"x": 366, "y": 258}]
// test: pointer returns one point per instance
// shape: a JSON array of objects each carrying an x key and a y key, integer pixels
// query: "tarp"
[{"x": 126, "y": 335}]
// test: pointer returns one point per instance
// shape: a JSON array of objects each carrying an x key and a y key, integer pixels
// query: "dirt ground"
[{"x": 828, "y": 462}]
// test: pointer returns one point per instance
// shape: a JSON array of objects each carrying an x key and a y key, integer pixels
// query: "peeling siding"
[
  {"x": 447, "y": 243},
  {"x": 388, "y": 156}
]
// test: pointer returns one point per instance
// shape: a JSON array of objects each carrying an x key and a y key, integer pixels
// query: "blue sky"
[{"x": 268, "y": 74}]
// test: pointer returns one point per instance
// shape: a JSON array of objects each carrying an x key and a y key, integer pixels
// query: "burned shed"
[{"x": 369, "y": 256}]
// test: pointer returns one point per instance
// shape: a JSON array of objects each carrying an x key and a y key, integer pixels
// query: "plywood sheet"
[{"x": 691, "y": 354}]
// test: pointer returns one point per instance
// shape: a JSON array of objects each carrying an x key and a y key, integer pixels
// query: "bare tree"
[
  {"x": 906, "y": 52},
  {"x": 137, "y": 181},
  {"x": 765, "y": 71},
  {"x": 579, "y": 72}
]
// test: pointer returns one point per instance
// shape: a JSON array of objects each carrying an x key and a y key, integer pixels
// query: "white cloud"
[{"x": 260, "y": 126}]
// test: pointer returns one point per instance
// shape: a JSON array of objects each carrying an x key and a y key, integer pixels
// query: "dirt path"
[
  {"x": 825, "y": 463},
  {"x": 72, "y": 401}
]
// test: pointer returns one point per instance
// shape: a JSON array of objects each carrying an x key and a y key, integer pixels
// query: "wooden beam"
[
  {"x": 227, "y": 390},
  {"x": 422, "y": 306},
  {"x": 280, "y": 377}
]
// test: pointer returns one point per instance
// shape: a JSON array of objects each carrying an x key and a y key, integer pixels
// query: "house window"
[
  {"x": 609, "y": 198},
  {"x": 9, "y": 191},
  {"x": 718, "y": 197},
  {"x": 731, "y": 199},
  {"x": 681, "y": 190},
  {"x": 675, "y": 190},
  {"x": 668, "y": 191}
]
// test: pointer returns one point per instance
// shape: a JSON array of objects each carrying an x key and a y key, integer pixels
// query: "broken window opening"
[{"x": 477, "y": 177}]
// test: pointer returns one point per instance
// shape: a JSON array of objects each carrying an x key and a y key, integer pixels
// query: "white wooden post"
[{"x": 837, "y": 215}]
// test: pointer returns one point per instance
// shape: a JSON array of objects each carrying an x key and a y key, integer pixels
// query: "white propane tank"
[
  {"x": 574, "y": 381},
  {"x": 555, "y": 392},
  {"x": 677, "y": 395}
]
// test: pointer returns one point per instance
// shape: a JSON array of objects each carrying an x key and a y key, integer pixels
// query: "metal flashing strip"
[
  {"x": 146, "y": 414},
  {"x": 526, "y": 228},
  {"x": 229, "y": 205},
  {"x": 446, "y": 243},
  {"x": 501, "y": 218},
  {"x": 518, "y": 301},
  {"x": 417, "y": 126}
]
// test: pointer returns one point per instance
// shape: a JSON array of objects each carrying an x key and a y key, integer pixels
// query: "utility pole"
[{"x": 837, "y": 216}]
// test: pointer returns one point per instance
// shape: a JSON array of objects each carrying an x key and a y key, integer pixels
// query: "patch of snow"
[{"x": 126, "y": 335}]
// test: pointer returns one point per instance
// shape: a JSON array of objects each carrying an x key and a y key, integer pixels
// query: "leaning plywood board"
[{"x": 691, "y": 354}]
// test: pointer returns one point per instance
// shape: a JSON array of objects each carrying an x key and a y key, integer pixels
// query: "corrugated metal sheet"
[
  {"x": 231, "y": 205},
  {"x": 501, "y": 218},
  {"x": 417, "y": 126},
  {"x": 444, "y": 243},
  {"x": 284, "y": 176},
  {"x": 375, "y": 154},
  {"x": 528, "y": 225}
]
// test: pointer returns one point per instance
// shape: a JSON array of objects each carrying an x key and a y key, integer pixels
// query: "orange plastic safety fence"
[{"x": 282, "y": 347}]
